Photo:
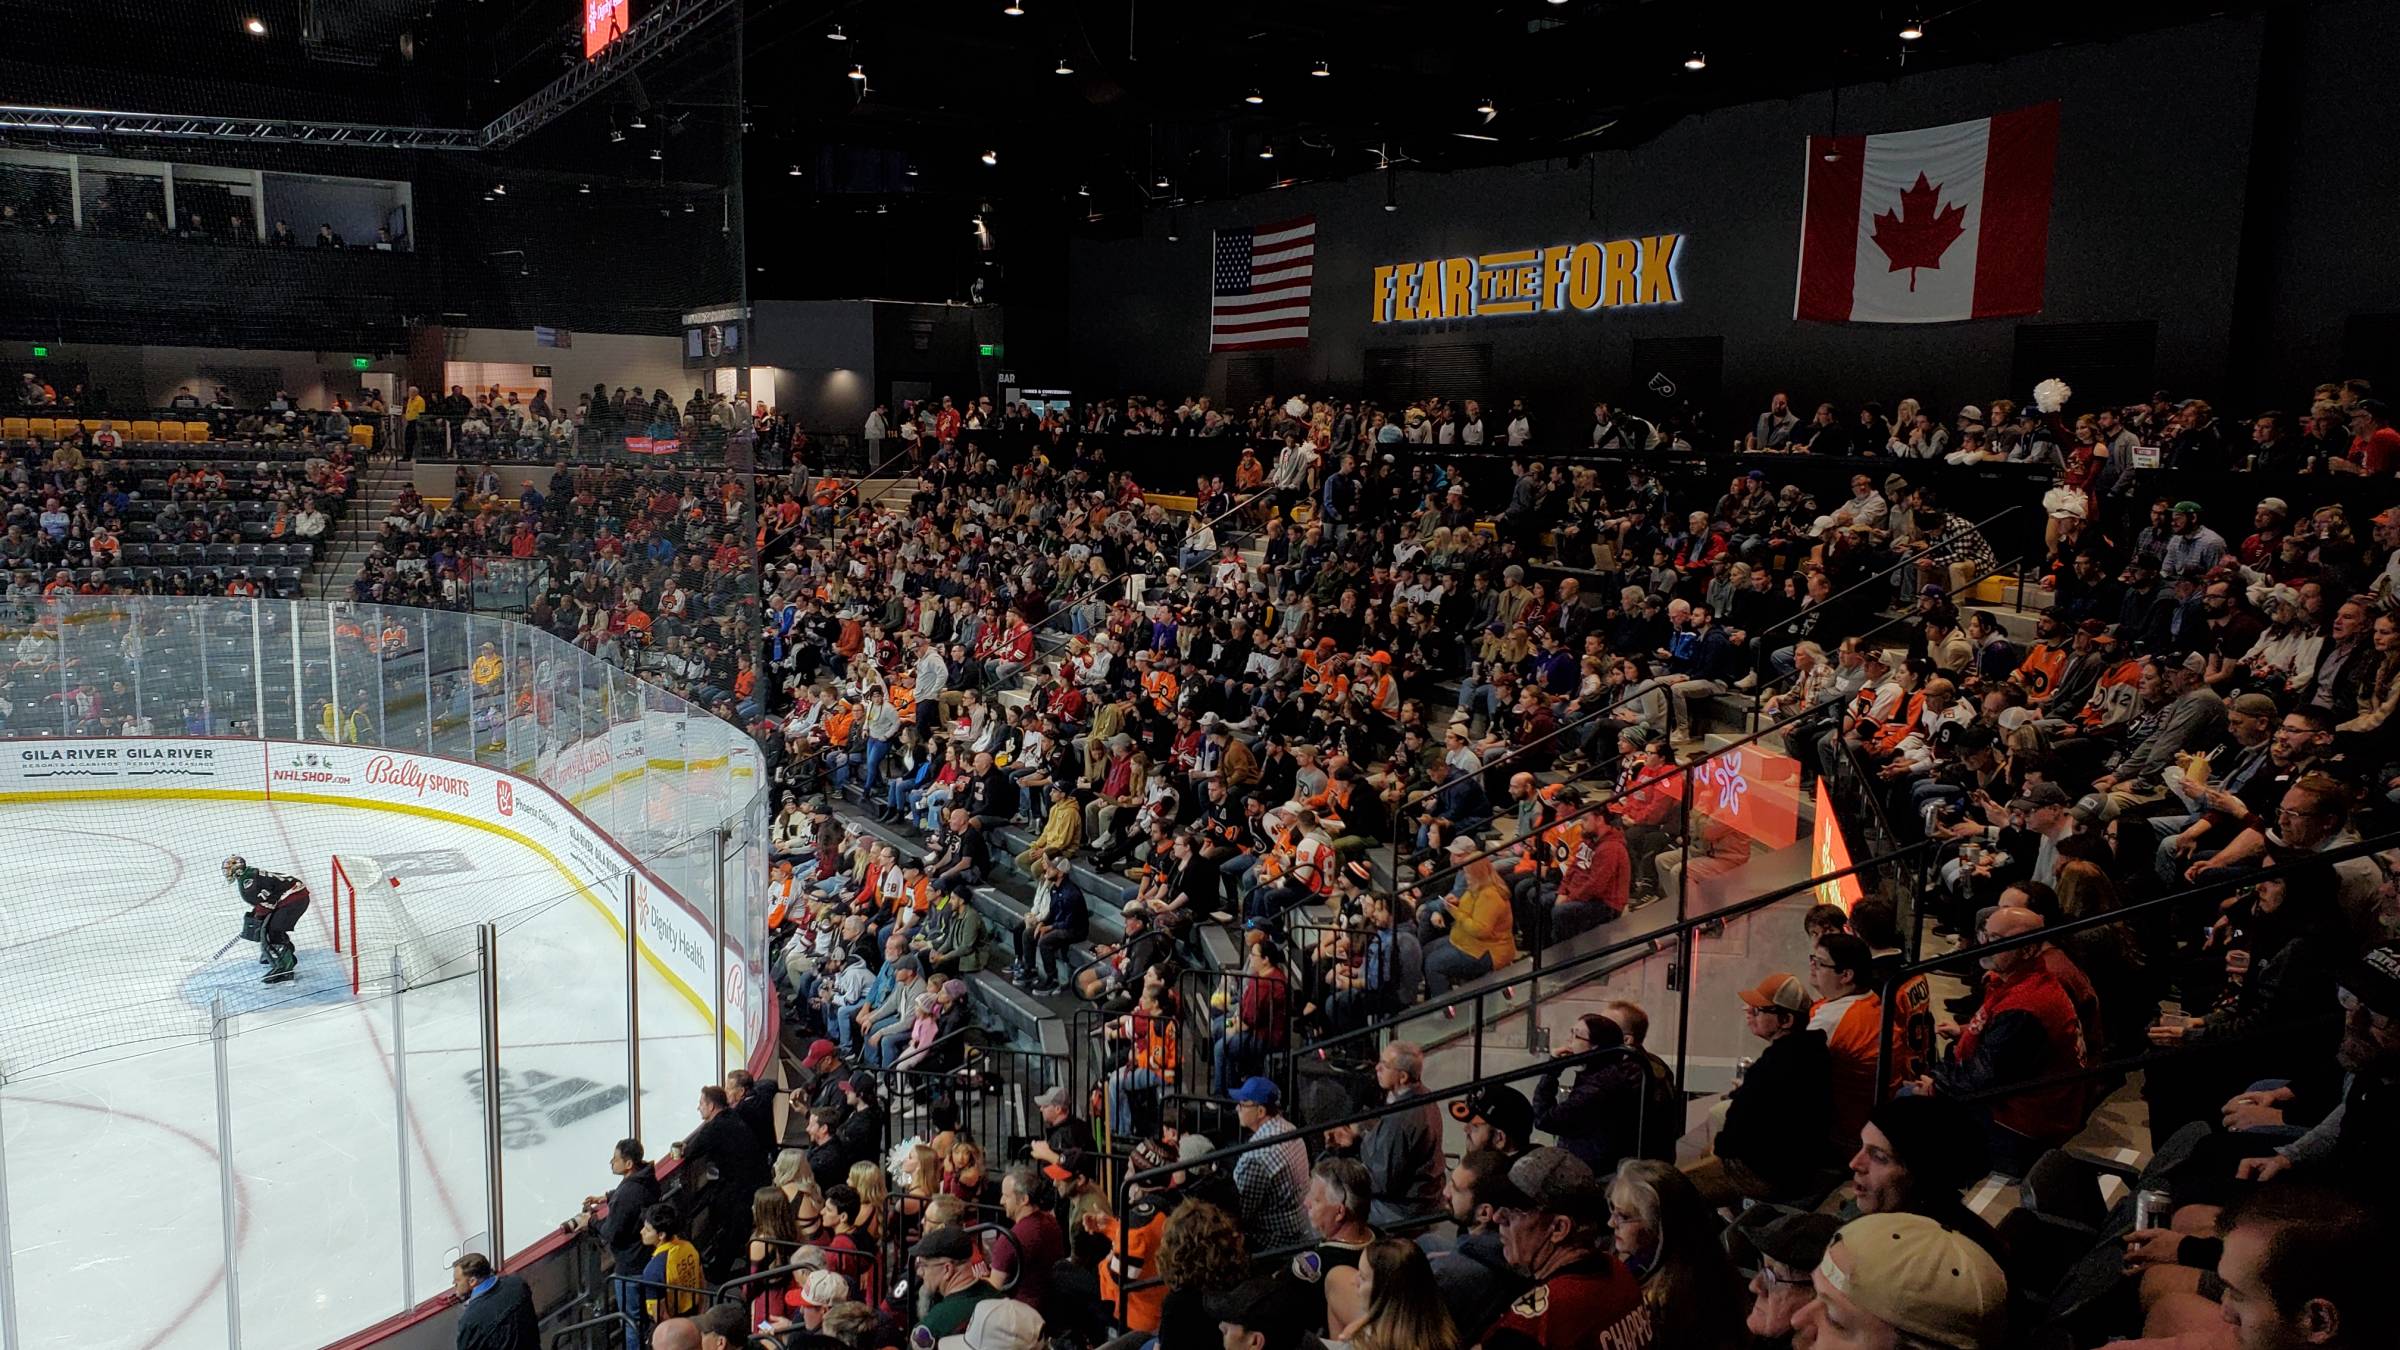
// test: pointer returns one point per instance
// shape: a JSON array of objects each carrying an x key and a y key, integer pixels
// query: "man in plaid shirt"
[{"x": 1272, "y": 1181}]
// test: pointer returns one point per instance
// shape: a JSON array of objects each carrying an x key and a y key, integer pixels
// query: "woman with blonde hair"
[
  {"x": 1404, "y": 1309},
  {"x": 1664, "y": 1231},
  {"x": 798, "y": 1183},
  {"x": 873, "y": 1189}
]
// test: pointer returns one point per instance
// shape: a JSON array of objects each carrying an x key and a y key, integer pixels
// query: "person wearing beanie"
[{"x": 1915, "y": 1156}]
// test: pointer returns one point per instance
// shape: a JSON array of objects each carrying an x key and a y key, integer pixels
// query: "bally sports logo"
[
  {"x": 390, "y": 771},
  {"x": 504, "y": 797}
]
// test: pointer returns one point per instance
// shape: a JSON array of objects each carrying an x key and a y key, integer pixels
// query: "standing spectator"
[
  {"x": 1271, "y": 1181},
  {"x": 621, "y": 1227},
  {"x": 1552, "y": 1217},
  {"x": 734, "y": 1164},
  {"x": 1904, "y": 1280},
  {"x": 499, "y": 1311},
  {"x": 1777, "y": 1119}
]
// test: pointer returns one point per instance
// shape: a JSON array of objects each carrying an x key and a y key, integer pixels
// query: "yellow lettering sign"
[
  {"x": 1658, "y": 276},
  {"x": 1581, "y": 276}
]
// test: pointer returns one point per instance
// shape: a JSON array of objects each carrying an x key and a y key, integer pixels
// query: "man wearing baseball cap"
[
  {"x": 1497, "y": 1117},
  {"x": 945, "y": 1263},
  {"x": 2351, "y": 1146},
  {"x": 1552, "y": 1214},
  {"x": 1902, "y": 1279},
  {"x": 1781, "y": 1247},
  {"x": 1779, "y": 1118}
]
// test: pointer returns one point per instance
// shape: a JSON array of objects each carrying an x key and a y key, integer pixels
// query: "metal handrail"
[
  {"x": 1885, "y": 573},
  {"x": 1759, "y": 694},
  {"x": 1681, "y": 926},
  {"x": 1975, "y": 952}
]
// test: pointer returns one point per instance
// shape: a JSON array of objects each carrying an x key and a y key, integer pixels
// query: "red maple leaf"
[{"x": 1919, "y": 234}]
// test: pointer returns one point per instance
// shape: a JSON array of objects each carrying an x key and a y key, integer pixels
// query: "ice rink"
[{"x": 356, "y": 1127}]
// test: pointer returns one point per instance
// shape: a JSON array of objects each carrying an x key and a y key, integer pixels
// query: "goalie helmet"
[{"x": 236, "y": 867}]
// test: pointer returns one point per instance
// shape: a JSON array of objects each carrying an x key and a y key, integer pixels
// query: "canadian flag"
[{"x": 1931, "y": 225}]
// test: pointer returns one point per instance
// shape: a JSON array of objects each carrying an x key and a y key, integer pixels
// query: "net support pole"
[
  {"x": 716, "y": 851},
  {"x": 487, "y": 961},
  {"x": 408, "y": 1235},
  {"x": 8, "y": 1279},
  {"x": 226, "y": 1196},
  {"x": 258, "y": 671},
  {"x": 633, "y": 1007}
]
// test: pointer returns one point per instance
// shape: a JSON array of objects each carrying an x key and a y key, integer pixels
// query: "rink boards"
[{"x": 672, "y": 934}]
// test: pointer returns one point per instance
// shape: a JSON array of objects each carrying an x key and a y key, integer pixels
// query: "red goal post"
[{"x": 344, "y": 895}]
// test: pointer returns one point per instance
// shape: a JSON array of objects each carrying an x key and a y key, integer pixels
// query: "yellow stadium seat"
[
  {"x": 195, "y": 431},
  {"x": 44, "y": 428},
  {"x": 91, "y": 424},
  {"x": 14, "y": 428},
  {"x": 145, "y": 430},
  {"x": 362, "y": 434},
  {"x": 170, "y": 431}
]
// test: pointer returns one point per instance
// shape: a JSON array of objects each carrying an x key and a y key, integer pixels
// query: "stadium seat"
[
  {"x": 144, "y": 430},
  {"x": 42, "y": 427},
  {"x": 93, "y": 424},
  {"x": 362, "y": 435},
  {"x": 170, "y": 431},
  {"x": 195, "y": 431},
  {"x": 15, "y": 428}
]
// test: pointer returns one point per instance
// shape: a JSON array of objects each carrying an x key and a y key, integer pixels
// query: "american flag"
[{"x": 1259, "y": 284}]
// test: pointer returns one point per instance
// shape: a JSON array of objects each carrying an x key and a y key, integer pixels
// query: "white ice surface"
[{"x": 112, "y": 1165}]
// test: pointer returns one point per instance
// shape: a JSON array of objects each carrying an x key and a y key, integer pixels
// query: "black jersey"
[{"x": 269, "y": 890}]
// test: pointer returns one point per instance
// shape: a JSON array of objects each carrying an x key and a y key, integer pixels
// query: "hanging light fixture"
[
  {"x": 1912, "y": 30},
  {"x": 1083, "y": 190},
  {"x": 1696, "y": 61},
  {"x": 1064, "y": 67},
  {"x": 584, "y": 189},
  {"x": 1266, "y": 150},
  {"x": 1321, "y": 70},
  {"x": 1488, "y": 108},
  {"x": 637, "y": 123},
  {"x": 1013, "y": 9},
  {"x": 835, "y": 34},
  {"x": 991, "y": 157},
  {"x": 858, "y": 72},
  {"x": 794, "y": 171},
  {"x": 255, "y": 27},
  {"x": 657, "y": 153},
  {"x": 1254, "y": 98}
]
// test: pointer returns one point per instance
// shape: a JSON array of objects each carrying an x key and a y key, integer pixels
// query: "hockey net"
[{"x": 372, "y": 920}]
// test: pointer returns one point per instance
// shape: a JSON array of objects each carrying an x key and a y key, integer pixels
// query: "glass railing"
[{"x": 533, "y": 927}]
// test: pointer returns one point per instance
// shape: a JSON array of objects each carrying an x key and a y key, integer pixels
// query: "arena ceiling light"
[
  {"x": 858, "y": 72},
  {"x": 657, "y": 153},
  {"x": 583, "y": 189},
  {"x": 1912, "y": 30},
  {"x": 1159, "y": 182},
  {"x": 1321, "y": 70},
  {"x": 1254, "y": 98},
  {"x": 1083, "y": 190},
  {"x": 255, "y": 26},
  {"x": 835, "y": 34},
  {"x": 1064, "y": 67},
  {"x": 794, "y": 171},
  {"x": 499, "y": 189},
  {"x": 1488, "y": 108},
  {"x": 990, "y": 157},
  {"x": 1266, "y": 150},
  {"x": 1696, "y": 61},
  {"x": 1013, "y": 9},
  {"x": 637, "y": 123}
]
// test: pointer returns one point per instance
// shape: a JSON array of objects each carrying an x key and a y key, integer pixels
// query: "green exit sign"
[
  {"x": 991, "y": 349},
  {"x": 41, "y": 351},
  {"x": 360, "y": 363}
]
